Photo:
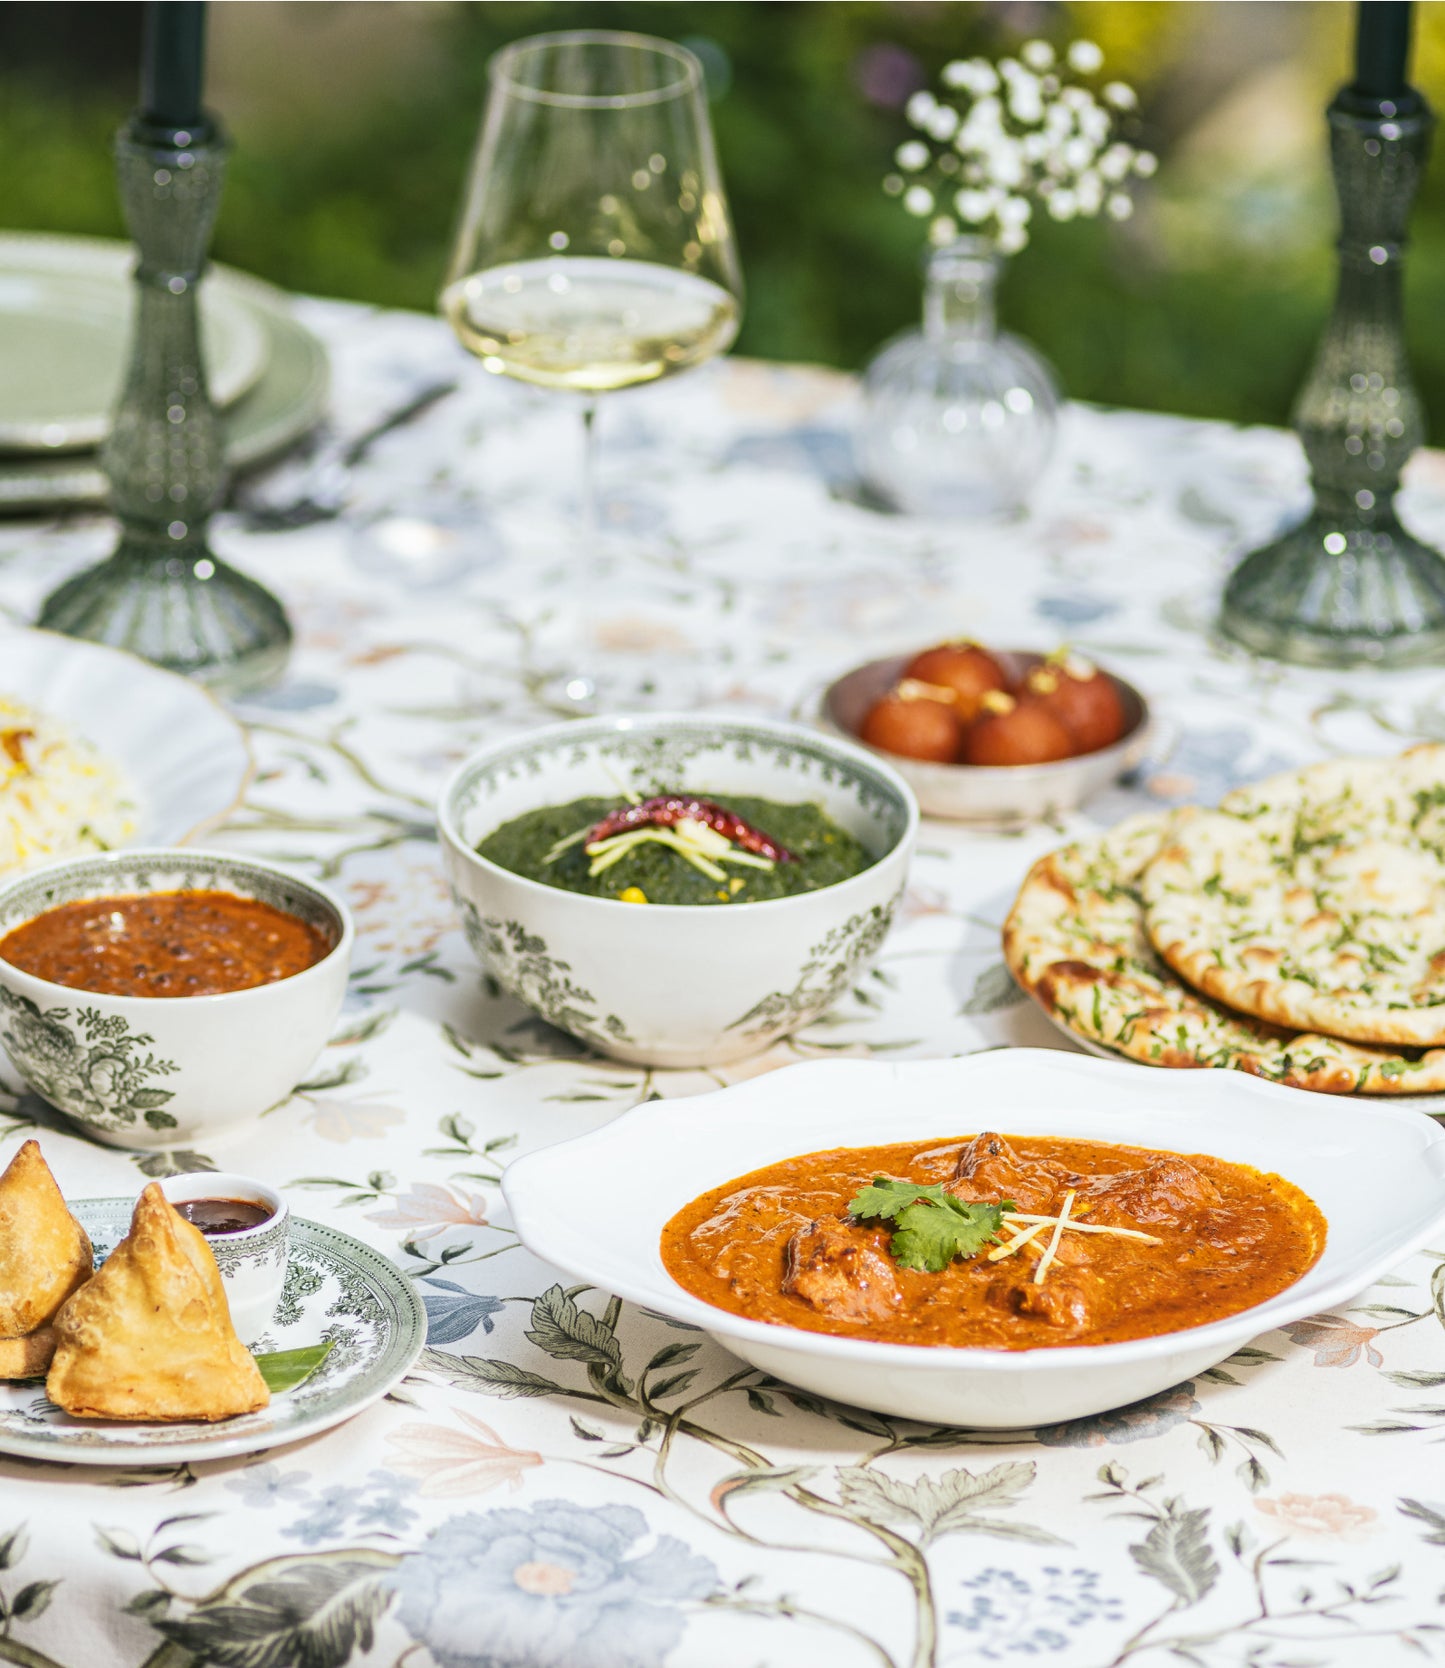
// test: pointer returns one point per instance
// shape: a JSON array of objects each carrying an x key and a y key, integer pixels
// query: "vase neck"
[{"x": 958, "y": 298}]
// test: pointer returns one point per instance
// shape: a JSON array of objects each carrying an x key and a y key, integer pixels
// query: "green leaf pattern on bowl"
[
  {"x": 520, "y": 961},
  {"x": 101, "y": 1075},
  {"x": 831, "y": 966}
]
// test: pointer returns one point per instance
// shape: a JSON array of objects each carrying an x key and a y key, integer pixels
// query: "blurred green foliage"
[{"x": 1208, "y": 302}]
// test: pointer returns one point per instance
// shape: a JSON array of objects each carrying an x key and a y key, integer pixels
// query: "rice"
[{"x": 59, "y": 795}]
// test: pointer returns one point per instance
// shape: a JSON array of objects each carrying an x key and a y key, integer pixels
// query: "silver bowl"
[{"x": 1001, "y": 796}]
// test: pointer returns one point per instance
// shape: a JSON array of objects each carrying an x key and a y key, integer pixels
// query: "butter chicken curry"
[{"x": 1001, "y": 1242}]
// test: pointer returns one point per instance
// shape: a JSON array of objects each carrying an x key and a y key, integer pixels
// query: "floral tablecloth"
[{"x": 550, "y": 1490}]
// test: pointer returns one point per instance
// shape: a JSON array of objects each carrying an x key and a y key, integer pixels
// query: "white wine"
[{"x": 589, "y": 324}]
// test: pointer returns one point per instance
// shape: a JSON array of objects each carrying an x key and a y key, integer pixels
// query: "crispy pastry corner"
[
  {"x": 150, "y": 1337},
  {"x": 44, "y": 1256}
]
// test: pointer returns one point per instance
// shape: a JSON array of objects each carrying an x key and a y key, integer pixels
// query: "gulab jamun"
[
  {"x": 1085, "y": 699},
  {"x": 968, "y": 669},
  {"x": 1016, "y": 731},
  {"x": 916, "y": 727}
]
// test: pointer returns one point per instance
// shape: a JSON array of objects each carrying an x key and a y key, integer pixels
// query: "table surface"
[{"x": 1285, "y": 1508}]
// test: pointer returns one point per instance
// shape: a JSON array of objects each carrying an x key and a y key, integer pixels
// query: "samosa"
[
  {"x": 44, "y": 1255},
  {"x": 150, "y": 1337}
]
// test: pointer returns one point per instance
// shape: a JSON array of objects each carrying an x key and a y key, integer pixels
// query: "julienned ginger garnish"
[{"x": 933, "y": 1226}]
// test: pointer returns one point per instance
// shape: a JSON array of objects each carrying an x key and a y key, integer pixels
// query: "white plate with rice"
[{"x": 99, "y": 750}]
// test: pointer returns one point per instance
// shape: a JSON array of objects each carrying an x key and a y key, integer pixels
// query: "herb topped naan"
[
  {"x": 1315, "y": 899},
  {"x": 1075, "y": 940}
]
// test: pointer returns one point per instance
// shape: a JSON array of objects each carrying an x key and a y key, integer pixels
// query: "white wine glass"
[{"x": 595, "y": 249}]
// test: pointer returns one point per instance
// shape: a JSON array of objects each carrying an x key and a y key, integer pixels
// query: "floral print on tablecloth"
[{"x": 566, "y": 1482}]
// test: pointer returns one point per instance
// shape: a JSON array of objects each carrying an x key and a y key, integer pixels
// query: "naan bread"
[
  {"x": 1316, "y": 899},
  {"x": 1075, "y": 941},
  {"x": 150, "y": 1337},
  {"x": 44, "y": 1255}
]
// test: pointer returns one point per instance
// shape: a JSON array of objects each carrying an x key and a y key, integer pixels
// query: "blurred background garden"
[{"x": 353, "y": 125}]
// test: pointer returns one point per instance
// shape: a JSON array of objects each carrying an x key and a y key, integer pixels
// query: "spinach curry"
[{"x": 679, "y": 849}]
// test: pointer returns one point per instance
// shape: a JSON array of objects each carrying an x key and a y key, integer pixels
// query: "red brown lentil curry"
[
  {"x": 164, "y": 944},
  {"x": 1150, "y": 1242}
]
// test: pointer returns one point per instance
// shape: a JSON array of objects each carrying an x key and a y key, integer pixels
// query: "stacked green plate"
[{"x": 65, "y": 306}]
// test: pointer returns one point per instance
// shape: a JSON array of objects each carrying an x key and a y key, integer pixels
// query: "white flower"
[
  {"x": 1121, "y": 95},
  {"x": 912, "y": 155},
  {"x": 918, "y": 199},
  {"x": 1077, "y": 154},
  {"x": 1058, "y": 121},
  {"x": 1011, "y": 239},
  {"x": 943, "y": 228},
  {"x": 1035, "y": 146},
  {"x": 958, "y": 72},
  {"x": 1038, "y": 55},
  {"x": 1015, "y": 211},
  {"x": 1025, "y": 100},
  {"x": 1090, "y": 191},
  {"x": 985, "y": 77},
  {"x": 920, "y": 107},
  {"x": 1006, "y": 163},
  {"x": 1115, "y": 163},
  {"x": 973, "y": 206},
  {"x": 1119, "y": 206},
  {"x": 1094, "y": 124},
  {"x": 1077, "y": 98},
  {"x": 943, "y": 123},
  {"x": 1063, "y": 205},
  {"x": 1086, "y": 58},
  {"x": 1146, "y": 164}
]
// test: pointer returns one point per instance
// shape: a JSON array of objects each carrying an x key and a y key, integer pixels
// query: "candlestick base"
[
  {"x": 1333, "y": 594},
  {"x": 188, "y": 612}
]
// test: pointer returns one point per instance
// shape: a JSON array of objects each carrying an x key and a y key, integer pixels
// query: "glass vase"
[{"x": 959, "y": 417}]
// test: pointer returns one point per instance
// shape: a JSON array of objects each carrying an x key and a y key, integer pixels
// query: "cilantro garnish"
[{"x": 931, "y": 1226}]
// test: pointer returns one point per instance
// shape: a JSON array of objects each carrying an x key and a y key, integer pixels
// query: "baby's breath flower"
[
  {"x": 920, "y": 107},
  {"x": 1026, "y": 101},
  {"x": 1094, "y": 124},
  {"x": 1006, "y": 163},
  {"x": 1004, "y": 138},
  {"x": 1085, "y": 57},
  {"x": 973, "y": 206},
  {"x": 1116, "y": 161}
]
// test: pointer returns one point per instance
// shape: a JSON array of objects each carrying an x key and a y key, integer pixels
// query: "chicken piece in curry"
[{"x": 1095, "y": 1243}]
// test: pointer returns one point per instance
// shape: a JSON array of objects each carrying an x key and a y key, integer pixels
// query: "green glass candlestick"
[
  {"x": 1349, "y": 585},
  {"x": 163, "y": 593}
]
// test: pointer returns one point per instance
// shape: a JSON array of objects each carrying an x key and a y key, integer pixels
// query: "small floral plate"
[{"x": 336, "y": 1288}]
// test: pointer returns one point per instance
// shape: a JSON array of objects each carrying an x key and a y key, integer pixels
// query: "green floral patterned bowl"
[
  {"x": 166, "y": 1072},
  {"x": 667, "y": 985}
]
